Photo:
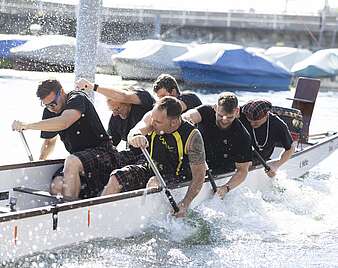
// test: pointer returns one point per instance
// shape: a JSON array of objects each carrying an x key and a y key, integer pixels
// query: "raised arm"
[
  {"x": 193, "y": 116},
  {"x": 118, "y": 95},
  {"x": 196, "y": 154}
]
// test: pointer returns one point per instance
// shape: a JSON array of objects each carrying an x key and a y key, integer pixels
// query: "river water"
[{"x": 295, "y": 225}]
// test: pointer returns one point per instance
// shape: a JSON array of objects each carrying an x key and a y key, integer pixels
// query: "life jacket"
[{"x": 169, "y": 151}]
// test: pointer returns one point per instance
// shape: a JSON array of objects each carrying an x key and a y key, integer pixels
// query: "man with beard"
[
  {"x": 176, "y": 147},
  {"x": 227, "y": 143}
]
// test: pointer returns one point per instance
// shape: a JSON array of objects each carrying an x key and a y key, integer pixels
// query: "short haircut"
[
  {"x": 171, "y": 105},
  {"x": 166, "y": 81},
  {"x": 48, "y": 86},
  {"x": 227, "y": 101}
]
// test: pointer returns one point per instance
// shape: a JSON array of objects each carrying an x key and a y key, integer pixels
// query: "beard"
[{"x": 221, "y": 125}]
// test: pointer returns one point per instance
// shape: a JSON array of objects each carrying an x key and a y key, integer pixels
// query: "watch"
[{"x": 95, "y": 87}]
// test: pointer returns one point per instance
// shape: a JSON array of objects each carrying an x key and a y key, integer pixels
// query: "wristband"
[
  {"x": 227, "y": 187},
  {"x": 95, "y": 87}
]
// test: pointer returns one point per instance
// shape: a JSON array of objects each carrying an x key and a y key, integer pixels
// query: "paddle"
[
  {"x": 161, "y": 180},
  {"x": 260, "y": 158},
  {"x": 24, "y": 141},
  {"x": 212, "y": 181}
]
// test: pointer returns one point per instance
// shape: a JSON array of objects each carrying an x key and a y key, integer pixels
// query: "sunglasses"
[{"x": 53, "y": 103}]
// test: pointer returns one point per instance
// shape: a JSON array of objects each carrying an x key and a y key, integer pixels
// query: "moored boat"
[
  {"x": 220, "y": 65},
  {"x": 9, "y": 41},
  {"x": 287, "y": 56},
  {"x": 147, "y": 59},
  {"x": 55, "y": 53},
  {"x": 322, "y": 63}
]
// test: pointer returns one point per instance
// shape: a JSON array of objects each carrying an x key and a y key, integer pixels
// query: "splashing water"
[{"x": 293, "y": 223}]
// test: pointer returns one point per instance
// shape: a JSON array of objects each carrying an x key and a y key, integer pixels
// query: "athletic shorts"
[
  {"x": 98, "y": 163},
  {"x": 134, "y": 177}
]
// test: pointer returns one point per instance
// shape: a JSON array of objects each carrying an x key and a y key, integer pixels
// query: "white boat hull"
[{"x": 32, "y": 229}]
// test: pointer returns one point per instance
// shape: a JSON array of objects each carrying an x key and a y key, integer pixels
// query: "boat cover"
[
  {"x": 287, "y": 56},
  {"x": 147, "y": 59},
  {"x": 8, "y": 41},
  {"x": 322, "y": 63},
  {"x": 231, "y": 66},
  {"x": 58, "y": 49}
]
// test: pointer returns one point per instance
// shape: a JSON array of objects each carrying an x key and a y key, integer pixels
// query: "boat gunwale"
[
  {"x": 32, "y": 164},
  {"x": 50, "y": 209}
]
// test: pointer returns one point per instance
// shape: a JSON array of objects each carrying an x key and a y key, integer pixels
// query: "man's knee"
[
  {"x": 153, "y": 182},
  {"x": 74, "y": 163},
  {"x": 113, "y": 186}
]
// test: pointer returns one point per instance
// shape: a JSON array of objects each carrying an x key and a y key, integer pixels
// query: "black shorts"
[
  {"x": 134, "y": 177},
  {"x": 98, "y": 163}
]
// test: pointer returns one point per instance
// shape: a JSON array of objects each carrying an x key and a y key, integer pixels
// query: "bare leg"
[
  {"x": 56, "y": 185},
  {"x": 71, "y": 176},
  {"x": 153, "y": 182},
  {"x": 112, "y": 187}
]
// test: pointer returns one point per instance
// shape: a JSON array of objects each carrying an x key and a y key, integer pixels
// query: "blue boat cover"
[
  {"x": 6, "y": 45},
  {"x": 231, "y": 66}
]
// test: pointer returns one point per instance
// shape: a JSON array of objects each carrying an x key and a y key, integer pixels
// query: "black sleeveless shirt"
[{"x": 169, "y": 151}]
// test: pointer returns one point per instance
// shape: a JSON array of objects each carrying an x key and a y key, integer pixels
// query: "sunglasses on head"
[{"x": 53, "y": 103}]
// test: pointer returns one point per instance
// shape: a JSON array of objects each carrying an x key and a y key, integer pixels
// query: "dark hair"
[
  {"x": 48, "y": 86},
  {"x": 228, "y": 102},
  {"x": 171, "y": 105},
  {"x": 166, "y": 81}
]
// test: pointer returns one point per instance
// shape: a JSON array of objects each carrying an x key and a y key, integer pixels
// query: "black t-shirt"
[
  {"x": 278, "y": 135},
  {"x": 224, "y": 147},
  {"x": 87, "y": 132},
  {"x": 119, "y": 128},
  {"x": 190, "y": 99}
]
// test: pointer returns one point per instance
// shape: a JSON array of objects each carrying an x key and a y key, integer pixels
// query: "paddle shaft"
[
  {"x": 161, "y": 180},
  {"x": 24, "y": 141},
  {"x": 260, "y": 158},
  {"x": 212, "y": 181}
]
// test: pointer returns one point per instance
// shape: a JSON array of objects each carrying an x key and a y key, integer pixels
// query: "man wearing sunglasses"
[
  {"x": 227, "y": 143},
  {"x": 75, "y": 119}
]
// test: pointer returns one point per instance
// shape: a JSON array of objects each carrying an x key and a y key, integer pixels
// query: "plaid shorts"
[
  {"x": 98, "y": 163},
  {"x": 134, "y": 177}
]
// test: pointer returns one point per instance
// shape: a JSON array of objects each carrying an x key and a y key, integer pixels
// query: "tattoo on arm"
[{"x": 196, "y": 152}]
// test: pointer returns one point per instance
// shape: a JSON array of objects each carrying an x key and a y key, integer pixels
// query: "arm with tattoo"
[{"x": 196, "y": 154}]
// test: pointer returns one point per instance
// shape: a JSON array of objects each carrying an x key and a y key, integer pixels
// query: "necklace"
[{"x": 260, "y": 147}]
